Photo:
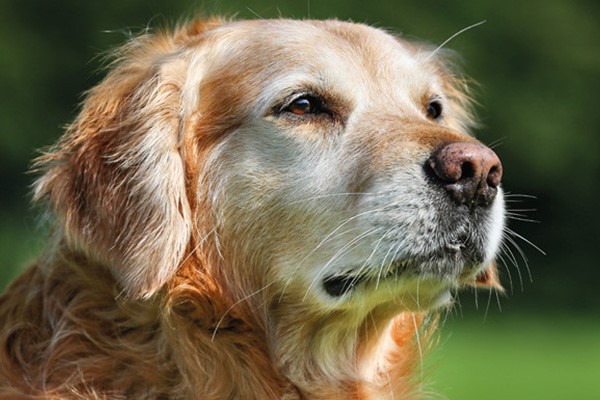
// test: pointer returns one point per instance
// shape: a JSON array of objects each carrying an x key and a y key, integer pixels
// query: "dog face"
[
  {"x": 317, "y": 160},
  {"x": 323, "y": 185}
]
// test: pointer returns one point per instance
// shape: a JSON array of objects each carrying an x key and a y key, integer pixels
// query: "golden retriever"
[{"x": 254, "y": 210}]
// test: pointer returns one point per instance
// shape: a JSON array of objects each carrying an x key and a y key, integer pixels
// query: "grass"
[{"x": 529, "y": 357}]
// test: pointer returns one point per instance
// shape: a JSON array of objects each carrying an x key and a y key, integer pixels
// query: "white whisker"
[
  {"x": 498, "y": 300},
  {"x": 489, "y": 302},
  {"x": 523, "y": 256},
  {"x": 513, "y": 259},
  {"x": 507, "y": 268},
  {"x": 216, "y": 328},
  {"x": 453, "y": 36},
  {"x": 325, "y": 196},
  {"x": 515, "y": 234},
  {"x": 255, "y": 13},
  {"x": 348, "y": 246},
  {"x": 496, "y": 143},
  {"x": 419, "y": 345},
  {"x": 367, "y": 261},
  {"x": 518, "y": 198},
  {"x": 522, "y": 210},
  {"x": 332, "y": 235},
  {"x": 200, "y": 243}
]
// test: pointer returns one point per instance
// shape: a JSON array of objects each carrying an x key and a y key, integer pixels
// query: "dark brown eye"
[
  {"x": 306, "y": 104},
  {"x": 434, "y": 109}
]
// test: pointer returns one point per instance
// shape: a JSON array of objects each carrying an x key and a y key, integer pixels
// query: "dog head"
[
  {"x": 347, "y": 176},
  {"x": 324, "y": 163}
]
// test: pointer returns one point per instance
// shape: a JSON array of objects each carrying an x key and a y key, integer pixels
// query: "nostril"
[
  {"x": 494, "y": 176},
  {"x": 467, "y": 170}
]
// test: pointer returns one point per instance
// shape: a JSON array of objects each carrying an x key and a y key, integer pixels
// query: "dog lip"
[{"x": 339, "y": 285}]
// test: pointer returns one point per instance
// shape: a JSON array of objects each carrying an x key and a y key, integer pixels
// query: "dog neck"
[
  {"x": 343, "y": 357},
  {"x": 281, "y": 350}
]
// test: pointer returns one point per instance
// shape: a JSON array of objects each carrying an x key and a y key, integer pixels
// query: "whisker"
[
  {"x": 487, "y": 307},
  {"x": 324, "y": 196},
  {"x": 459, "y": 310},
  {"x": 516, "y": 213},
  {"x": 517, "y": 217},
  {"x": 496, "y": 143},
  {"x": 453, "y": 36},
  {"x": 348, "y": 220},
  {"x": 513, "y": 259},
  {"x": 329, "y": 236},
  {"x": 366, "y": 263},
  {"x": 498, "y": 300},
  {"x": 523, "y": 256},
  {"x": 446, "y": 315},
  {"x": 192, "y": 251},
  {"x": 506, "y": 267},
  {"x": 351, "y": 244},
  {"x": 395, "y": 255},
  {"x": 235, "y": 305},
  {"x": 255, "y": 13},
  {"x": 398, "y": 248},
  {"x": 519, "y": 196},
  {"x": 515, "y": 234},
  {"x": 508, "y": 200},
  {"x": 522, "y": 209},
  {"x": 297, "y": 267},
  {"x": 382, "y": 265},
  {"x": 418, "y": 294},
  {"x": 418, "y": 339}
]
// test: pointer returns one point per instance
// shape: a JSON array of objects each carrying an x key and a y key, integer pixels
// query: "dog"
[{"x": 263, "y": 209}]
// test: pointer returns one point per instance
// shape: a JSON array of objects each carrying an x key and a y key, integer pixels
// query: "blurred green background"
[{"x": 537, "y": 64}]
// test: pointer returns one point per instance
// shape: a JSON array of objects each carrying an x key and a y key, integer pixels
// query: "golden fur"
[{"x": 195, "y": 221}]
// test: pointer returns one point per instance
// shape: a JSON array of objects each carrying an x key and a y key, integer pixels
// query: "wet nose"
[{"x": 469, "y": 172}]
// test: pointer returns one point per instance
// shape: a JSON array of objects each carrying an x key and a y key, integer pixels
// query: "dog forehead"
[
  {"x": 356, "y": 54},
  {"x": 252, "y": 66}
]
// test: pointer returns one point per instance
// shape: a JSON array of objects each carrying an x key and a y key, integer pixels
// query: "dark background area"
[{"x": 537, "y": 64}]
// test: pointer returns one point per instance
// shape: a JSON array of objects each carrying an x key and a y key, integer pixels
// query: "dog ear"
[{"x": 116, "y": 180}]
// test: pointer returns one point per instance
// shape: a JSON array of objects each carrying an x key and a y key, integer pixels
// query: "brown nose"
[{"x": 469, "y": 172}]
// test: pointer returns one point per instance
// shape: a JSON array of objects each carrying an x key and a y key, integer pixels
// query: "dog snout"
[{"x": 469, "y": 172}]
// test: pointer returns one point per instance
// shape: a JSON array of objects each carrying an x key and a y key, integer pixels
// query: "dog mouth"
[
  {"x": 339, "y": 285},
  {"x": 455, "y": 259}
]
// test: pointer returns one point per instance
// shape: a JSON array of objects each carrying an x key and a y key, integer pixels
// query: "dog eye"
[
  {"x": 434, "y": 109},
  {"x": 306, "y": 104}
]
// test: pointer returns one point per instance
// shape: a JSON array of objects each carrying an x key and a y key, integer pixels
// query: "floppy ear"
[{"x": 116, "y": 179}]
